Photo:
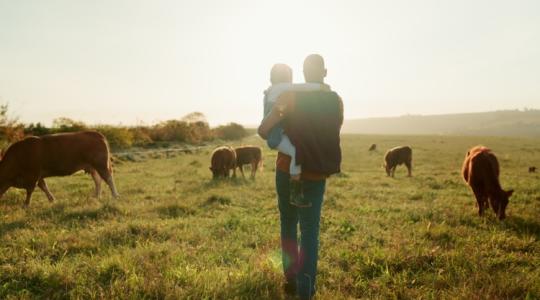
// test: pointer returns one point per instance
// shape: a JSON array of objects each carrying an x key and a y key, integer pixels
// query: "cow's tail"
[
  {"x": 110, "y": 165},
  {"x": 465, "y": 170},
  {"x": 109, "y": 156}
]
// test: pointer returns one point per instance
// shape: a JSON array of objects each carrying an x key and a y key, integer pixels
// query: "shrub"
[
  {"x": 199, "y": 130},
  {"x": 194, "y": 117},
  {"x": 231, "y": 131},
  {"x": 37, "y": 129},
  {"x": 68, "y": 125},
  {"x": 141, "y": 136},
  {"x": 171, "y": 130},
  {"x": 118, "y": 137},
  {"x": 192, "y": 128},
  {"x": 10, "y": 128}
]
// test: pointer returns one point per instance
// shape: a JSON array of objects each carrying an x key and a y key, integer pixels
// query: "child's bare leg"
[
  {"x": 286, "y": 147},
  {"x": 297, "y": 197},
  {"x": 294, "y": 169}
]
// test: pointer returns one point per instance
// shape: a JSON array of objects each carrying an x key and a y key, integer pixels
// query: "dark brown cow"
[
  {"x": 373, "y": 147},
  {"x": 248, "y": 155},
  {"x": 397, "y": 156},
  {"x": 481, "y": 172},
  {"x": 532, "y": 169},
  {"x": 223, "y": 160},
  {"x": 28, "y": 162}
]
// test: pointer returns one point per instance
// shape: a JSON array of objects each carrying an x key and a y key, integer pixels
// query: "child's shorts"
[{"x": 274, "y": 137}]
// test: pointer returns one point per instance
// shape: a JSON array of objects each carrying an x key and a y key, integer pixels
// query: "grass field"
[{"x": 176, "y": 234}]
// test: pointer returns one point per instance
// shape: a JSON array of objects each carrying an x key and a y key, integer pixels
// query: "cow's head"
[
  {"x": 500, "y": 203},
  {"x": 387, "y": 168},
  {"x": 217, "y": 172}
]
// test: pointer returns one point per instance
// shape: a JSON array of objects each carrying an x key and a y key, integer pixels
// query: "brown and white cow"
[
  {"x": 481, "y": 172},
  {"x": 249, "y": 155},
  {"x": 397, "y": 156},
  {"x": 28, "y": 162},
  {"x": 223, "y": 161},
  {"x": 532, "y": 169}
]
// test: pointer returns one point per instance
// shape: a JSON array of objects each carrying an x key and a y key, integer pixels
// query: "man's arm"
[{"x": 282, "y": 106}]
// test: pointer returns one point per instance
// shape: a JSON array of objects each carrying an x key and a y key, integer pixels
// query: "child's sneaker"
[{"x": 297, "y": 196}]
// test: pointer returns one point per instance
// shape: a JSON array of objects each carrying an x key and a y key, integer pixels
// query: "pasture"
[{"x": 175, "y": 234}]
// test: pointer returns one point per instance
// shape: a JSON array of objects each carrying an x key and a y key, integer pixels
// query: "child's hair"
[{"x": 281, "y": 73}]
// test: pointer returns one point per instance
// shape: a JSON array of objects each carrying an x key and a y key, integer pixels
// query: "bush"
[
  {"x": 141, "y": 136},
  {"x": 192, "y": 128},
  {"x": 172, "y": 130},
  {"x": 10, "y": 128},
  {"x": 118, "y": 137},
  {"x": 68, "y": 125},
  {"x": 188, "y": 130},
  {"x": 37, "y": 129},
  {"x": 231, "y": 131},
  {"x": 200, "y": 132}
]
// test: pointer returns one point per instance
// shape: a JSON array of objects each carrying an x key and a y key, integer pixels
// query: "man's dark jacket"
[{"x": 313, "y": 126}]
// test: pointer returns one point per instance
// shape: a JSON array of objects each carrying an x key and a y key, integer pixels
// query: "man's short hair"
[
  {"x": 314, "y": 62},
  {"x": 314, "y": 70},
  {"x": 281, "y": 73}
]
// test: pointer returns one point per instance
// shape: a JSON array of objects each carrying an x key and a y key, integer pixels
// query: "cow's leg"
[
  {"x": 393, "y": 171},
  {"x": 409, "y": 168},
  {"x": 29, "y": 191},
  {"x": 241, "y": 168},
  {"x": 97, "y": 182},
  {"x": 493, "y": 202},
  {"x": 106, "y": 175},
  {"x": 110, "y": 183},
  {"x": 487, "y": 201},
  {"x": 254, "y": 165},
  {"x": 43, "y": 186},
  {"x": 480, "y": 199}
]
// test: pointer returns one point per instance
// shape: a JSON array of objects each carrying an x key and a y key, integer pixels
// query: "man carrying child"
[{"x": 303, "y": 122}]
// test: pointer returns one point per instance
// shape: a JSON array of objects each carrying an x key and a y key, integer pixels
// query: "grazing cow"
[
  {"x": 481, "y": 172},
  {"x": 397, "y": 156},
  {"x": 373, "y": 147},
  {"x": 28, "y": 162},
  {"x": 532, "y": 169},
  {"x": 248, "y": 155},
  {"x": 223, "y": 160}
]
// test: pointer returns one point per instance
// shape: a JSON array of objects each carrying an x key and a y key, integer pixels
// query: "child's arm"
[
  {"x": 271, "y": 120},
  {"x": 281, "y": 107}
]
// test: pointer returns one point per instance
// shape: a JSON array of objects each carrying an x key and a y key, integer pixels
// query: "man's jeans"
[{"x": 300, "y": 264}]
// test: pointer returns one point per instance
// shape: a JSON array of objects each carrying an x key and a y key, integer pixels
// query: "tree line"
[{"x": 192, "y": 129}]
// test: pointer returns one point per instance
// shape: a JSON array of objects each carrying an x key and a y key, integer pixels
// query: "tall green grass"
[{"x": 174, "y": 233}]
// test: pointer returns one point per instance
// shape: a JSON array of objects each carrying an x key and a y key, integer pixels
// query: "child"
[{"x": 281, "y": 80}]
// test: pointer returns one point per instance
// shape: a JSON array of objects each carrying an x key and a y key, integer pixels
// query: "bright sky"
[{"x": 112, "y": 61}]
